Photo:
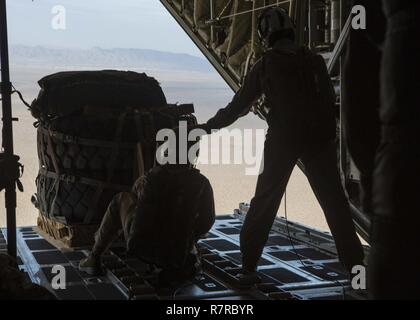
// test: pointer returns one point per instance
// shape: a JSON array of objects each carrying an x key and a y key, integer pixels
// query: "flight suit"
[
  {"x": 394, "y": 260},
  {"x": 299, "y": 128},
  {"x": 128, "y": 212},
  {"x": 382, "y": 116}
]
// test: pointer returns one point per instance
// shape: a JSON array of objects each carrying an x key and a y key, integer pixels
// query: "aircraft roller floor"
[{"x": 300, "y": 267}]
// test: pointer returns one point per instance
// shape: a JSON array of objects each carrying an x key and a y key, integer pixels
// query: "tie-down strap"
[
  {"x": 67, "y": 178},
  {"x": 65, "y": 138}
]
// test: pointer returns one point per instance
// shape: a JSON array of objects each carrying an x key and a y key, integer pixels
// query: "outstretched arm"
[{"x": 242, "y": 102}]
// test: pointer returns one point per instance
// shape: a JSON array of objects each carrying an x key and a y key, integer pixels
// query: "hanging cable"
[
  {"x": 224, "y": 9},
  {"x": 288, "y": 230},
  {"x": 20, "y": 96},
  {"x": 252, "y": 10}
]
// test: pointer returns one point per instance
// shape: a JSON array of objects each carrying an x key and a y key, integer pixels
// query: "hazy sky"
[{"x": 102, "y": 23}]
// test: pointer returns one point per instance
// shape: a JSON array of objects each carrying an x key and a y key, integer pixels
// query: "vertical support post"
[
  {"x": 212, "y": 40},
  {"x": 6, "y": 92},
  {"x": 344, "y": 156},
  {"x": 335, "y": 20},
  {"x": 327, "y": 36},
  {"x": 300, "y": 17},
  {"x": 310, "y": 24}
]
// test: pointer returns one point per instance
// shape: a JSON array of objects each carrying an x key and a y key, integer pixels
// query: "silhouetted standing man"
[{"x": 300, "y": 97}]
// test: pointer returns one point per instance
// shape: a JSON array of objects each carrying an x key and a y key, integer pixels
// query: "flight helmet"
[{"x": 274, "y": 24}]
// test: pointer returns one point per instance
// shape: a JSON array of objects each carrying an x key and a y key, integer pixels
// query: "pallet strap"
[
  {"x": 67, "y": 178},
  {"x": 65, "y": 138}
]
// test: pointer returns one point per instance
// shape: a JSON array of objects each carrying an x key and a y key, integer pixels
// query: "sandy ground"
[{"x": 230, "y": 184}]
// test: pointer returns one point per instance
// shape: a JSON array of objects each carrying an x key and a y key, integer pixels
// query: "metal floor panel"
[
  {"x": 38, "y": 244},
  {"x": 237, "y": 258},
  {"x": 283, "y": 276}
]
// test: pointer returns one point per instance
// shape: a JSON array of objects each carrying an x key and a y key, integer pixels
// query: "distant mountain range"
[{"x": 107, "y": 58}]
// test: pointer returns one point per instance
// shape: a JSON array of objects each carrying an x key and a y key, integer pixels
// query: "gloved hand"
[{"x": 10, "y": 170}]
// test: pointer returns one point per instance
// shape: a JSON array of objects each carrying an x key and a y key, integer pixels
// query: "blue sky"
[{"x": 98, "y": 23}]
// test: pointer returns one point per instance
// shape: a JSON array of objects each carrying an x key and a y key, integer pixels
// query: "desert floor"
[{"x": 208, "y": 92}]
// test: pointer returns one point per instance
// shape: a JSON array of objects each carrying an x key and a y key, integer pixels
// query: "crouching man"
[{"x": 163, "y": 216}]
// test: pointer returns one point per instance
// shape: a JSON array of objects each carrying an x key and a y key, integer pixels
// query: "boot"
[{"x": 91, "y": 265}]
